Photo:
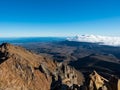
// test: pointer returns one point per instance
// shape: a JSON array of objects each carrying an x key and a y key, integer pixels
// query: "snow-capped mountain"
[{"x": 102, "y": 40}]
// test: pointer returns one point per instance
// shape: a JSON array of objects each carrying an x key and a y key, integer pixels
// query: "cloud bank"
[{"x": 101, "y": 40}]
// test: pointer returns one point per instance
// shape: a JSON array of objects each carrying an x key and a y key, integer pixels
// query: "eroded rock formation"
[{"x": 67, "y": 77}]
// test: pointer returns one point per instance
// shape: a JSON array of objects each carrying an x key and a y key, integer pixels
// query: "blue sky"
[{"x": 59, "y": 17}]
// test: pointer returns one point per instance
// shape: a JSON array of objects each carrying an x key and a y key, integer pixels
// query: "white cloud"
[{"x": 102, "y": 40}]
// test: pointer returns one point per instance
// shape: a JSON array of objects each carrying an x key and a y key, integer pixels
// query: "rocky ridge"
[{"x": 23, "y": 70}]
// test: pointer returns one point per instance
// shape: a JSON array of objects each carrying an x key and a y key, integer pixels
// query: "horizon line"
[{"x": 34, "y": 36}]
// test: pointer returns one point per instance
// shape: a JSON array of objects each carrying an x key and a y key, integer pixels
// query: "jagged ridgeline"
[{"x": 23, "y": 70}]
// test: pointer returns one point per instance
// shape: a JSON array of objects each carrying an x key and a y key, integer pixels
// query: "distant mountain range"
[{"x": 101, "y": 40}]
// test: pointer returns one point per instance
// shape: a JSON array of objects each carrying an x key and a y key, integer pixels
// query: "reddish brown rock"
[{"x": 17, "y": 69}]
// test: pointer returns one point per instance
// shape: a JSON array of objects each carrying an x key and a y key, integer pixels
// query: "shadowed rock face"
[{"x": 114, "y": 82}]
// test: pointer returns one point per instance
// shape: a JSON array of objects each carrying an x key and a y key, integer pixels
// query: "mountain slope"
[
  {"x": 17, "y": 69},
  {"x": 24, "y": 70}
]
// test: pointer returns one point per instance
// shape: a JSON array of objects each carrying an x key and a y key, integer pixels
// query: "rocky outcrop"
[
  {"x": 96, "y": 81},
  {"x": 66, "y": 78}
]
